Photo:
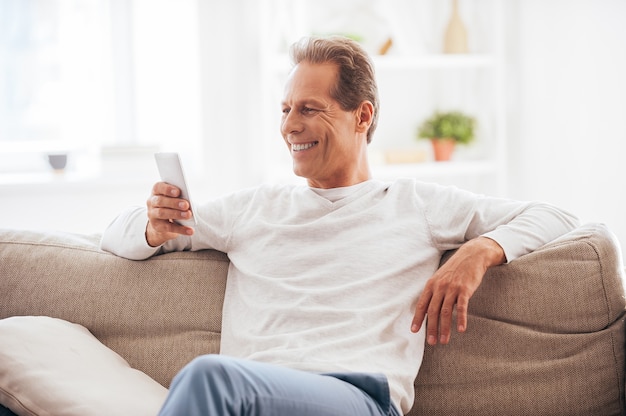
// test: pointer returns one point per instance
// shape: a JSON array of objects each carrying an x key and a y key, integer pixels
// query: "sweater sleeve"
[
  {"x": 536, "y": 225},
  {"x": 456, "y": 216},
  {"x": 126, "y": 235}
]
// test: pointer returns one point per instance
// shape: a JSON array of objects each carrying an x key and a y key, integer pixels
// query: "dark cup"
[{"x": 57, "y": 161}]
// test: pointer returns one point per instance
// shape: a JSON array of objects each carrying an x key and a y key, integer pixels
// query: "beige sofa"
[{"x": 545, "y": 337}]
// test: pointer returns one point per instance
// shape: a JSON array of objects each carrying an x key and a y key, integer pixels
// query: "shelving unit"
[{"x": 414, "y": 80}]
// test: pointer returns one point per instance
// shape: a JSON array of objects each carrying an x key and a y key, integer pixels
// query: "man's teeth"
[{"x": 296, "y": 147}]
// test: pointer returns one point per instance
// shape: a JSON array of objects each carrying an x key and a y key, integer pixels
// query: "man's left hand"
[{"x": 454, "y": 284}]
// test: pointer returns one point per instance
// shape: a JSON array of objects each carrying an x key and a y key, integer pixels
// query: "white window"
[{"x": 94, "y": 78}]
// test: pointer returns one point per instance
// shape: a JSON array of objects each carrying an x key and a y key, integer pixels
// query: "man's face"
[{"x": 323, "y": 139}]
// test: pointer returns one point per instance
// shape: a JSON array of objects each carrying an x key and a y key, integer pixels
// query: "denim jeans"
[{"x": 216, "y": 385}]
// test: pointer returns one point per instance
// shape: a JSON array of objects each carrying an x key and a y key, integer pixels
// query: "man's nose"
[{"x": 291, "y": 123}]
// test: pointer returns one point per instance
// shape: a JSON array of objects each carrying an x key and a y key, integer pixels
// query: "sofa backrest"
[{"x": 158, "y": 314}]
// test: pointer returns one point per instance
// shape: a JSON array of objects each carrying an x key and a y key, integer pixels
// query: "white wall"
[
  {"x": 231, "y": 86},
  {"x": 567, "y": 107},
  {"x": 566, "y": 117}
]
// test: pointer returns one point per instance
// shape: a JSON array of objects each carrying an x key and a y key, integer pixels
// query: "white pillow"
[{"x": 49, "y": 366}]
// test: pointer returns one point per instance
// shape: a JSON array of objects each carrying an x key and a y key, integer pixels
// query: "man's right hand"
[{"x": 165, "y": 206}]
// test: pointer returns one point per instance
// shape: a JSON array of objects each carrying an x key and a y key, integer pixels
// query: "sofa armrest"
[{"x": 545, "y": 336}]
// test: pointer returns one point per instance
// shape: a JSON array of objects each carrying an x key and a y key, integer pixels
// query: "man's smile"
[{"x": 298, "y": 147}]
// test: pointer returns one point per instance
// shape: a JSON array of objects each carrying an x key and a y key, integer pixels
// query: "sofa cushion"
[{"x": 49, "y": 366}]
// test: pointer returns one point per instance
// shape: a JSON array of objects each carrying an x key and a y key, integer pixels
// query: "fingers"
[
  {"x": 436, "y": 305},
  {"x": 165, "y": 189},
  {"x": 452, "y": 285},
  {"x": 164, "y": 208},
  {"x": 421, "y": 308},
  {"x": 445, "y": 323},
  {"x": 462, "y": 304},
  {"x": 438, "y": 321},
  {"x": 164, "y": 203}
]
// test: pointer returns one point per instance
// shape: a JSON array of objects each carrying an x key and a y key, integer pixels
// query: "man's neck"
[{"x": 356, "y": 174}]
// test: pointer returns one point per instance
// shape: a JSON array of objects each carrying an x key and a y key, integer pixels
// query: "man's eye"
[
  {"x": 285, "y": 111},
  {"x": 308, "y": 110}
]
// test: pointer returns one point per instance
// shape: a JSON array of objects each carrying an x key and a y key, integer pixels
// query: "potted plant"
[{"x": 445, "y": 129}]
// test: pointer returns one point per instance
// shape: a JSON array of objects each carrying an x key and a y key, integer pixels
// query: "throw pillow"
[{"x": 49, "y": 366}]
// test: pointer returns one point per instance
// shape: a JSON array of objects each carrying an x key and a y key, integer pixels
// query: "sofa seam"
[
  {"x": 58, "y": 245},
  {"x": 602, "y": 279},
  {"x": 15, "y": 400},
  {"x": 91, "y": 250},
  {"x": 620, "y": 383}
]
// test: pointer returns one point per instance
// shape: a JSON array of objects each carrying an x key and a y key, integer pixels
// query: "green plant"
[{"x": 454, "y": 124}]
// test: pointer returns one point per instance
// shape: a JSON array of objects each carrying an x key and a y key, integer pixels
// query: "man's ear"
[{"x": 365, "y": 115}]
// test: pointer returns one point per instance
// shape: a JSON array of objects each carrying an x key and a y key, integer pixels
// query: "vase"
[
  {"x": 443, "y": 148},
  {"x": 455, "y": 40}
]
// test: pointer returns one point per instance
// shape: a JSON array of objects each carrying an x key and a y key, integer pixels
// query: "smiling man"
[{"x": 330, "y": 284}]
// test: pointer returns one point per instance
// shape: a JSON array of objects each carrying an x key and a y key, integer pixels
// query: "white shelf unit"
[{"x": 414, "y": 79}]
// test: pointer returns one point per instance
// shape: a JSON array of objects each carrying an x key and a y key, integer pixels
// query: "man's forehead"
[{"x": 307, "y": 79}]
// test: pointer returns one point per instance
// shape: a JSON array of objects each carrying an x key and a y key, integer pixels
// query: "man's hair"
[{"x": 356, "y": 81}]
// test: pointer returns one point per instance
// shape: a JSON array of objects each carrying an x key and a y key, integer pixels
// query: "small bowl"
[{"x": 57, "y": 161}]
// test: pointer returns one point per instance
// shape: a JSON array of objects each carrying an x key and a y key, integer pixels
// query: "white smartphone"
[{"x": 171, "y": 171}]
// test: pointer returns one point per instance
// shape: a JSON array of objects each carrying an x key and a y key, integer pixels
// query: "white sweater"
[{"x": 332, "y": 286}]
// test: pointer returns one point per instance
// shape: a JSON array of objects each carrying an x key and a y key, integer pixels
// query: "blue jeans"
[{"x": 216, "y": 385}]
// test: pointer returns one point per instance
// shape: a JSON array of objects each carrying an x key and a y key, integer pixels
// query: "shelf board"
[
  {"x": 435, "y": 61},
  {"x": 434, "y": 169},
  {"x": 428, "y": 171},
  {"x": 35, "y": 146},
  {"x": 281, "y": 62}
]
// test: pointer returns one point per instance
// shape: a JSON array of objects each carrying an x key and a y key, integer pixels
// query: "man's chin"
[{"x": 299, "y": 171}]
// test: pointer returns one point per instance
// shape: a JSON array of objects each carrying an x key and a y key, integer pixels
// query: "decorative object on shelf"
[
  {"x": 443, "y": 148},
  {"x": 398, "y": 156},
  {"x": 385, "y": 47},
  {"x": 58, "y": 161},
  {"x": 445, "y": 130},
  {"x": 455, "y": 39},
  {"x": 365, "y": 21}
]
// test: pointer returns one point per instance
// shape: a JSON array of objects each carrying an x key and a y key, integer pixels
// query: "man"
[{"x": 330, "y": 283}]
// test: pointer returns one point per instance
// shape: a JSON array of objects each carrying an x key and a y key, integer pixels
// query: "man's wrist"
[
  {"x": 151, "y": 241},
  {"x": 489, "y": 250}
]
